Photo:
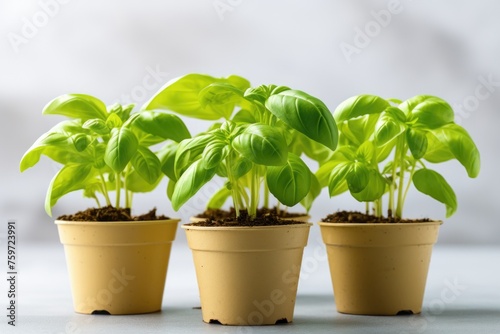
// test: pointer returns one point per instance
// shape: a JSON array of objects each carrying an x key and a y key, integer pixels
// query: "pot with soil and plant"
[
  {"x": 117, "y": 262},
  {"x": 232, "y": 99},
  {"x": 379, "y": 264},
  {"x": 247, "y": 266}
]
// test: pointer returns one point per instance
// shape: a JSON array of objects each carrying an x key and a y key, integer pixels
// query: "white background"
[{"x": 110, "y": 48}]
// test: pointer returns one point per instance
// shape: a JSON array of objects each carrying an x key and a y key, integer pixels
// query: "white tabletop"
[{"x": 462, "y": 296}]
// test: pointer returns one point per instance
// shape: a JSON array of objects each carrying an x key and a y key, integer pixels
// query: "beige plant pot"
[
  {"x": 247, "y": 275},
  {"x": 379, "y": 269},
  {"x": 117, "y": 267}
]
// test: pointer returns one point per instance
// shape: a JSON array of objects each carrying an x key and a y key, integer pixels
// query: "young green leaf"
[
  {"x": 358, "y": 177},
  {"x": 97, "y": 125},
  {"x": 146, "y": 164},
  {"x": 305, "y": 114},
  {"x": 190, "y": 182},
  {"x": 76, "y": 106},
  {"x": 461, "y": 145},
  {"x": 433, "y": 184},
  {"x": 121, "y": 148},
  {"x": 262, "y": 144},
  {"x": 360, "y": 129},
  {"x": 313, "y": 193},
  {"x": 374, "y": 189},
  {"x": 291, "y": 182},
  {"x": 358, "y": 106},
  {"x": 137, "y": 184},
  {"x": 165, "y": 126},
  {"x": 337, "y": 181},
  {"x": 190, "y": 150},
  {"x": 417, "y": 142},
  {"x": 428, "y": 112},
  {"x": 70, "y": 178},
  {"x": 214, "y": 153}
]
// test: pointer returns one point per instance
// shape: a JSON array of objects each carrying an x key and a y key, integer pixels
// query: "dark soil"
[
  {"x": 110, "y": 213},
  {"x": 268, "y": 219},
  {"x": 362, "y": 218},
  {"x": 222, "y": 214}
]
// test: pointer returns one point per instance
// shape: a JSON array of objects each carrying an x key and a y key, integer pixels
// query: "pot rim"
[
  {"x": 118, "y": 223},
  {"x": 429, "y": 223},
  {"x": 232, "y": 228}
]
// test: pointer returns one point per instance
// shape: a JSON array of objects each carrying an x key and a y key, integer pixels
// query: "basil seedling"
[
  {"x": 386, "y": 145},
  {"x": 103, "y": 149}
]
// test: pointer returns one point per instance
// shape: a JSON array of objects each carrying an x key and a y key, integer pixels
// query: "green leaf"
[
  {"x": 262, "y": 144},
  {"x": 170, "y": 189},
  {"x": 122, "y": 146},
  {"x": 461, "y": 145},
  {"x": 337, "y": 180},
  {"x": 97, "y": 125},
  {"x": 167, "y": 160},
  {"x": 190, "y": 182},
  {"x": 222, "y": 98},
  {"x": 433, "y": 184},
  {"x": 387, "y": 129},
  {"x": 313, "y": 193},
  {"x": 214, "y": 153},
  {"x": 241, "y": 167},
  {"x": 165, "y": 126},
  {"x": 374, "y": 190},
  {"x": 219, "y": 198},
  {"x": 358, "y": 130},
  {"x": 70, "y": 178},
  {"x": 80, "y": 141},
  {"x": 114, "y": 121},
  {"x": 417, "y": 141},
  {"x": 358, "y": 177},
  {"x": 305, "y": 114},
  {"x": 358, "y": 106},
  {"x": 428, "y": 112},
  {"x": 366, "y": 152},
  {"x": 437, "y": 151},
  {"x": 146, "y": 164},
  {"x": 137, "y": 184},
  {"x": 190, "y": 150},
  {"x": 291, "y": 182},
  {"x": 76, "y": 106},
  {"x": 244, "y": 116}
]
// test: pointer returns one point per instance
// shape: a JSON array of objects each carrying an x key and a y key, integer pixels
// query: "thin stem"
[
  {"x": 413, "y": 168},
  {"x": 234, "y": 186},
  {"x": 104, "y": 189},
  {"x": 402, "y": 155},
  {"x": 367, "y": 208},
  {"x": 266, "y": 194},
  {"x": 118, "y": 190},
  {"x": 254, "y": 192}
]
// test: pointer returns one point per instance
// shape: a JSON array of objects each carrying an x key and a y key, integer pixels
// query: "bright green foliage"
[
  {"x": 385, "y": 144},
  {"x": 104, "y": 149},
  {"x": 258, "y": 146}
]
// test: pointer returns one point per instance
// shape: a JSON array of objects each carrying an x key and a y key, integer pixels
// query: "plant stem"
[
  {"x": 266, "y": 194},
  {"x": 104, "y": 189},
  {"x": 413, "y": 167},
  {"x": 367, "y": 208},
  {"x": 128, "y": 194},
  {"x": 234, "y": 186},
  {"x": 118, "y": 190},
  {"x": 254, "y": 192},
  {"x": 401, "y": 157}
]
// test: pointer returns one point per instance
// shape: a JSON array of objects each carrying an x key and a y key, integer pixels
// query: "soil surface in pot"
[
  {"x": 110, "y": 213},
  {"x": 267, "y": 219},
  {"x": 222, "y": 214},
  {"x": 354, "y": 217}
]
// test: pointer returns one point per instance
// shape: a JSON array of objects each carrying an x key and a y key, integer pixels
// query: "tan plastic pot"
[
  {"x": 247, "y": 275},
  {"x": 117, "y": 267},
  {"x": 379, "y": 269}
]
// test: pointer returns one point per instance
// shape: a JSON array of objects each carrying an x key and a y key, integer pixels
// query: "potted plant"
[
  {"x": 117, "y": 263},
  {"x": 248, "y": 266},
  {"x": 379, "y": 264},
  {"x": 209, "y": 98}
]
